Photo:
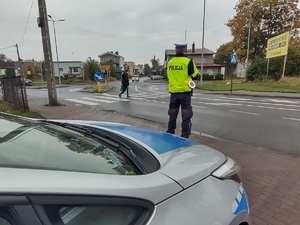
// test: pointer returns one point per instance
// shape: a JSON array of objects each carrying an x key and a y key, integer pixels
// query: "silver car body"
[{"x": 183, "y": 190}]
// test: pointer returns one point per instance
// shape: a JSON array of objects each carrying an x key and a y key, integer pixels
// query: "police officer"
[{"x": 180, "y": 70}]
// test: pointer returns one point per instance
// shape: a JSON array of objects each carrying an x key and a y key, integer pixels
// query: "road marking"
[
  {"x": 98, "y": 100},
  {"x": 76, "y": 89},
  {"x": 281, "y": 100},
  {"x": 295, "y": 119},
  {"x": 199, "y": 106},
  {"x": 137, "y": 88},
  {"x": 116, "y": 98},
  {"x": 221, "y": 103},
  {"x": 242, "y": 99},
  {"x": 258, "y": 103},
  {"x": 82, "y": 101},
  {"x": 269, "y": 107},
  {"x": 250, "y": 113}
]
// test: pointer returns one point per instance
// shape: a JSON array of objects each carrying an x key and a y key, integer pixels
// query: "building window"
[
  {"x": 75, "y": 70},
  {"x": 61, "y": 70}
]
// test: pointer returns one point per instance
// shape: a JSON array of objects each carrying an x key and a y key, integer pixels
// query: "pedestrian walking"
[
  {"x": 181, "y": 70},
  {"x": 125, "y": 81}
]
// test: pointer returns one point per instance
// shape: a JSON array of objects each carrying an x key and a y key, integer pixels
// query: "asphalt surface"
[{"x": 272, "y": 181}]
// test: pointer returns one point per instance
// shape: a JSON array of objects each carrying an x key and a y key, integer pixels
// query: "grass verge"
[
  {"x": 285, "y": 85},
  {"x": 7, "y": 108}
]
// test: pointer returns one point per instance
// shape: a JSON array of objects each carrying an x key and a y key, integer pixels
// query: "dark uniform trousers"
[{"x": 182, "y": 100}]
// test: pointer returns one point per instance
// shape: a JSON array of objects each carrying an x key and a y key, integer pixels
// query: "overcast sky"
[{"x": 137, "y": 29}]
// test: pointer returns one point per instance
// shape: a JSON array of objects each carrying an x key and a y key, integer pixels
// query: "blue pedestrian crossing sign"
[
  {"x": 98, "y": 76},
  {"x": 233, "y": 59}
]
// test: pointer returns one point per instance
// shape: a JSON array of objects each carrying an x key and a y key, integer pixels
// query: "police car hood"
[{"x": 183, "y": 160}]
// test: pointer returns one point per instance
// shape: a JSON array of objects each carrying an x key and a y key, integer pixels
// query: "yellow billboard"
[{"x": 278, "y": 45}]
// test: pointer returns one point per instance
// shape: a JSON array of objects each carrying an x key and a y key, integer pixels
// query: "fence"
[{"x": 14, "y": 92}]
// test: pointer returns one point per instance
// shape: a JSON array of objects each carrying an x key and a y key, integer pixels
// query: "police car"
[{"x": 88, "y": 172}]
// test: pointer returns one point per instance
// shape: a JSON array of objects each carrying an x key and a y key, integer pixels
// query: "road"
[{"x": 269, "y": 123}]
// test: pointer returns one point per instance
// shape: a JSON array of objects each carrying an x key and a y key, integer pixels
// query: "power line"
[
  {"x": 27, "y": 23},
  {"x": 117, "y": 35},
  {"x": 1, "y": 49}
]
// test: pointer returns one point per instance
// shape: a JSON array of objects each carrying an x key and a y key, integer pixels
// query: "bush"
[
  {"x": 213, "y": 77},
  {"x": 10, "y": 72},
  {"x": 258, "y": 69},
  {"x": 250, "y": 78}
]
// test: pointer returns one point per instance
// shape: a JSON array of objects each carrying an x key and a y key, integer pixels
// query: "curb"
[{"x": 254, "y": 95}]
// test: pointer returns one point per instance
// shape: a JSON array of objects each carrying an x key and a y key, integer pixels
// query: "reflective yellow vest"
[{"x": 178, "y": 76}]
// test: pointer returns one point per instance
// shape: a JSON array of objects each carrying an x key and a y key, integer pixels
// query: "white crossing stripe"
[
  {"x": 98, "y": 100},
  {"x": 295, "y": 119},
  {"x": 250, "y": 113},
  {"x": 116, "y": 98},
  {"x": 281, "y": 101},
  {"x": 82, "y": 101}
]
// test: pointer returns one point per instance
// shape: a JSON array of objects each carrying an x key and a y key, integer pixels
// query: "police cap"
[{"x": 180, "y": 45}]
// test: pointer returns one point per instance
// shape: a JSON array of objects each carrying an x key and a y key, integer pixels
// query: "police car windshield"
[{"x": 45, "y": 146}]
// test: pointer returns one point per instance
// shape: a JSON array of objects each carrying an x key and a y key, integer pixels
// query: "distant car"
[
  {"x": 157, "y": 77},
  {"x": 70, "y": 172},
  {"x": 135, "y": 78},
  {"x": 28, "y": 82}
]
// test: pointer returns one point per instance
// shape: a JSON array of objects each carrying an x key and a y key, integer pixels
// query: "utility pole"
[
  {"x": 285, "y": 57},
  {"x": 19, "y": 60},
  {"x": 248, "y": 45},
  {"x": 202, "y": 51},
  {"x": 56, "y": 45},
  {"x": 43, "y": 24}
]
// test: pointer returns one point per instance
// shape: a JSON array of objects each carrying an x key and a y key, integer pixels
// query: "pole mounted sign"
[
  {"x": 107, "y": 67},
  {"x": 98, "y": 76},
  {"x": 233, "y": 58},
  {"x": 278, "y": 45}
]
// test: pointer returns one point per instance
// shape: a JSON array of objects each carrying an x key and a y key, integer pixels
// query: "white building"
[
  {"x": 112, "y": 59},
  {"x": 68, "y": 69}
]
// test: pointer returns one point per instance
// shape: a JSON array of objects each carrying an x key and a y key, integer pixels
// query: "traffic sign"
[
  {"x": 107, "y": 67},
  {"x": 98, "y": 76},
  {"x": 233, "y": 59}
]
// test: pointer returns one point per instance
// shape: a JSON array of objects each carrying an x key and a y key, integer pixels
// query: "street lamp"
[{"x": 56, "y": 45}]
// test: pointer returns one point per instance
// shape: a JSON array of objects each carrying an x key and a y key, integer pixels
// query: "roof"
[
  {"x": 109, "y": 53},
  {"x": 68, "y": 61},
  {"x": 189, "y": 52}
]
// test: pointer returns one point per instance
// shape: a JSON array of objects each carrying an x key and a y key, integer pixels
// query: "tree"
[
  {"x": 266, "y": 19},
  {"x": 5, "y": 62},
  {"x": 147, "y": 69},
  {"x": 223, "y": 55},
  {"x": 293, "y": 58},
  {"x": 29, "y": 70},
  {"x": 90, "y": 67},
  {"x": 10, "y": 72},
  {"x": 155, "y": 64}
]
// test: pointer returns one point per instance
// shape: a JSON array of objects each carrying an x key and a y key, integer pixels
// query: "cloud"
[{"x": 138, "y": 29}]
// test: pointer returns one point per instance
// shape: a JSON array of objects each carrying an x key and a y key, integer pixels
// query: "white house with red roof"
[{"x": 209, "y": 67}]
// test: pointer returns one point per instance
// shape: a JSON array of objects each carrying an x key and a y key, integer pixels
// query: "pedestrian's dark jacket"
[{"x": 125, "y": 79}]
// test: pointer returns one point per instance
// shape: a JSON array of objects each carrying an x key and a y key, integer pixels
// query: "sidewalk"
[{"x": 272, "y": 181}]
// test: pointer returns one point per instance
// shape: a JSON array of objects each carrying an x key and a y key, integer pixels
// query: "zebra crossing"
[
  {"x": 199, "y": 101},
  {"x": 109, "y": 98}
]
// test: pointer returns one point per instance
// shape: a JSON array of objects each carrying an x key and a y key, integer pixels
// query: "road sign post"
[
  {"x": 233, "y": 61},
  {"x": 98, "y": 77},
  {"x": 107, "y": 67},
  {"x": 98, "y": 86}
]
